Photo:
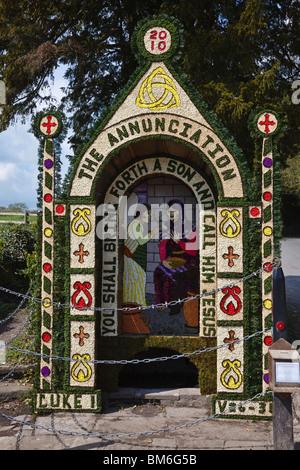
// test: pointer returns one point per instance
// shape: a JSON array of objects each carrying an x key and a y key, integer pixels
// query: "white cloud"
[
  {"x": 19, "y": 157},
  {"x": 7, "y": 171}
]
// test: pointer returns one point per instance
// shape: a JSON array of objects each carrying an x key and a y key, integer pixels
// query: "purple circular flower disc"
[
  {"x": 45, "y": 371},
  {"x": 267, "y": 162},
  {"x": 48, "y": 163},
  {"x": 266, "y": 378}
]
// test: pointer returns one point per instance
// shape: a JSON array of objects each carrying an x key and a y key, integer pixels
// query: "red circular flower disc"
[
  {"x": 46, "y": 337},
  {"x": 268, "y": 340},
  {"x": 268, "y": 267},
  {"x": 60, "y": 209},
  {"x": 267, "y": 196},
  {"x": 47, "y": 267},
  {"x": 48, "y": 197},
  {"x": 255, "y": 211}
]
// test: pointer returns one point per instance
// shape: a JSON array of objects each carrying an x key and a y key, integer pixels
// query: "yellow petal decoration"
[
  {"x": 79, "y": 228},
  {"x": 168, "y": 97},
  {"x": 84, "y": 371}
]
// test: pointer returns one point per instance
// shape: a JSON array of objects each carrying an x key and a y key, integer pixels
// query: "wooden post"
[{"x": 283, "y": 436}]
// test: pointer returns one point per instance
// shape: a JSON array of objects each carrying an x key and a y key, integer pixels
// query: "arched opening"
[
  {"x": 171, "y": 373},
  {"x": 164, "y": 270},
  {"x": 197, "y": 184},
  {"x": 161, "y": 268},
  {"x": 154, "y": 147}
]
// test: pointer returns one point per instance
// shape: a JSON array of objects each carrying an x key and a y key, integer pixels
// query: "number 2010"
[{"x": 161, "y": 37}]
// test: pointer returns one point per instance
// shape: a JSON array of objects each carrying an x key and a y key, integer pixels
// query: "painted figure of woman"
[
  {"x": 178, "y": 271},
  {"x": 135, "y": 260}
]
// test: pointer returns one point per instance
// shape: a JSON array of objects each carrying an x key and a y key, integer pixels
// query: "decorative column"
[
  {"x": 267, "y": 125},
  {"x": 230, "y": 299},
  {"x": 50, "y": 127},
  {"x": 82, "y": 295}
]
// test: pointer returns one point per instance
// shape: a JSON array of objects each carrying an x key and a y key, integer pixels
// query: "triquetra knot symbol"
[{"x": 158, "y": 92}]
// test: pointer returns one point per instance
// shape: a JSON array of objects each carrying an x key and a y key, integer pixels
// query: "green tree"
[
  {"x": 16, "y": 243},
  {"x": 17, "y": 206},
  {"x": 240, "y": 55},
  {"x": 291, "y": 176}
]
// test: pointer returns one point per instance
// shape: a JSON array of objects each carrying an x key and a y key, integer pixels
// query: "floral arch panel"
[{"x": 104, "y": 276}]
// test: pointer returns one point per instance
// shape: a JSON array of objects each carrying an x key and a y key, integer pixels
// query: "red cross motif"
[
  {"x": 49, "y": 124},
  {"x": 267, "y": 123}
]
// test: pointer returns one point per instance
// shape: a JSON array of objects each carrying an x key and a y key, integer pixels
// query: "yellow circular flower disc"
[
  {"x": 268, "y": 231},
  {"x": 46, "y": 302},
  {"x": 268, "y": 303}
]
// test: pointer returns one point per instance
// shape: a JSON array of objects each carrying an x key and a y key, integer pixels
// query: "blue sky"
[{"x": 18, "y": 158}]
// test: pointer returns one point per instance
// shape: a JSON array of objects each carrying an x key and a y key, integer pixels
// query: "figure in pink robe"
[{"x": 178, "y": 271}]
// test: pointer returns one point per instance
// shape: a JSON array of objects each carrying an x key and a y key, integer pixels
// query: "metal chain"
[
  {"x": 137, "y": 361},
  {"x": 276, "y": 262},
  {"x": 55, "y": 432},
  {"x": 16, "y": 365},
  {"x": 19, "y": 437},
  {"x": 141, "y": 433},
  {"x": 20, "y": 331},
  {"x": 25, "y": 296}
]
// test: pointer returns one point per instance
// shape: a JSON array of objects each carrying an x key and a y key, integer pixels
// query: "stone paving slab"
[
  {"x": 8, "y": 443},
  {"x": 211, "y": 435},
  {"x": 171, "y": 412},
  {"x": 145, "y": 417}
]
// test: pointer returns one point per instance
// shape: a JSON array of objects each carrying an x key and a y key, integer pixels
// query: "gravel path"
[{"x": 11, "y": 327}]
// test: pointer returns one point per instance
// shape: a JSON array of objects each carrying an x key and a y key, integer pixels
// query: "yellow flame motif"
[
  {"x": 232, "y": 383},
  {"x": 168, "y": 97},
  {"x": 84, "y": 372},
  {"x": 83, "y": 226},
  {"x": 230, "y": 226}
]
